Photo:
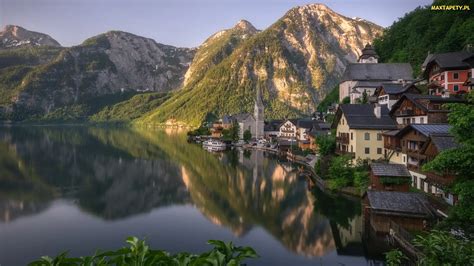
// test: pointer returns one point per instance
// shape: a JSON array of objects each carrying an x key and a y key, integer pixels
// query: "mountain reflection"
[{"x": 116, "y": 173}]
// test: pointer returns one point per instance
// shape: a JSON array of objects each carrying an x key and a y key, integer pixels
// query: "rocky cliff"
[{"x": 294, "y": 62}]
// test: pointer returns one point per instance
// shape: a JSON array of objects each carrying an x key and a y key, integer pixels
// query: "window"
[
  {"x": 404, "y": 159},
  {"x": 367, "y": 136},
  {"x": 422, "y": 120},
  {"x": 367, "y": 150},
  {"x": 442, "y": 77},
  {"x": 413, "y": 120},
  {"x": 379, "y": 136},
  {"x": 469, "y": 74},
  {"x": 455, "y": 75},
  {"x": 352, "y": 149},
  {"x": 436, "y": 106},
  {"x": 379, "y": 150},
  {"x": 352, "y": 136},
  {"x": 455, "y": 87}
]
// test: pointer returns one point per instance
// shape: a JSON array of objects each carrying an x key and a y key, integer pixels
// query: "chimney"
[{"x": 377, "y": 110}]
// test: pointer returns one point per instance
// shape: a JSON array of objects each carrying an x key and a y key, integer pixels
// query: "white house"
[{"x": 288, "y": 129}]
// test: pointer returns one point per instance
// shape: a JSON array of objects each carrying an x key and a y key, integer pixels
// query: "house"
[
  {"x": 367, "y": 74},
  {"x": 288, "y": 129},
  {"x": 303, "y": 126},
  {"x": 447, "y": 72},
  {"x": 389, "y": 177},
  {"x": 422, "y": 109},
  {"x": 218, "y": 126},
  {"x": 359, "y": 129},
  {"x": 392, "y": 147},
  {"x": 414, "y": 142},
  {"x": 308, "y": 130},
  {"x": 319, "y": 128},
  {"x": 272, "y": 129},
  {"x": 410, "y": 210},
  {"x": 436, "y": 144},
  {"x": 389, "y": 93}
]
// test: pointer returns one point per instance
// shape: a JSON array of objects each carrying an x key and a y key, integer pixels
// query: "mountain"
[
  {"x": 15, "y": 36},
  {"x": 424, "y": 31},
  {"x": 294, "y": 63},
  {"x": 105, "y": 65},
  {"x": 216, "y": 48}
]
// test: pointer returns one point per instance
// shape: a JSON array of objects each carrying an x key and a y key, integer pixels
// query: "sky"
[{"x": 183, "y": 23}]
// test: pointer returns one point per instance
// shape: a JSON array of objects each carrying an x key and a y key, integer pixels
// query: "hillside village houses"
[
  {"x": 367, "y": 74},
  {"x": 402, "y": 128},
  {"x": 449, "y": 73}
]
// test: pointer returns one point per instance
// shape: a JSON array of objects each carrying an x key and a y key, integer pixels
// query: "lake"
[{"x": 86, "y": 188}]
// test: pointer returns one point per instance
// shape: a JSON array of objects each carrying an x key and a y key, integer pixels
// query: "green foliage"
[
  {"x": 421, "y": 31},
  {"x": 361, "y": 180},
  {"x": 346, "y": 100},
  {"x": 340, "y": 172},
  {"x": 459, "y": 162},
  {"x": 201, "y": 131},
  {"x": 247, "y": 135},
  {"x": 395, "y": 257},
  {"x": 326, "y": 144},
  {"x": 139, "y": 253},
  {"x": 130, "y": 109},
  {"x": 331, "y": 97},
  {"x": 442, "y": 248}
]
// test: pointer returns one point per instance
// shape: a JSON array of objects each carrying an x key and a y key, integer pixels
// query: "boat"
[{"x": 214, "y": 145}]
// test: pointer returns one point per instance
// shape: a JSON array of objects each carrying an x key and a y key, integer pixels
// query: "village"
[{"x": 387, "y": 125}]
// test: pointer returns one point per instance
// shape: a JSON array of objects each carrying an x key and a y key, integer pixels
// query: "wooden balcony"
[
  {"x": 442, "y": 180},
  {"x": 391, "y": 146},
  {"x": 414, "y": 153},
  {"x": 342, "y": 139}
]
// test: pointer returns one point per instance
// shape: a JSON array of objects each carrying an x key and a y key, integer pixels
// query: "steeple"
[
  {"x": 368, "y": 55},
  {"x": 259, "y": 115}
]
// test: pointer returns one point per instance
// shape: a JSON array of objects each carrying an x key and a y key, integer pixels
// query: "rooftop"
[
  {"x": 444, "y": 142},
  {"x": 368, "y": 51},
  {"x": 361, "y": 116},
  {"x": 453, "y": 60},
  {"x": 378, "y": 72},
  {"x": 427, "y": 129},
  {"x": 389, "y": 169},
  {"x": 399, "y": 203}
]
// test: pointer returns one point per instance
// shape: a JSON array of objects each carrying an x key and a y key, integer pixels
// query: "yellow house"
[{"x": 359, "y": 129}]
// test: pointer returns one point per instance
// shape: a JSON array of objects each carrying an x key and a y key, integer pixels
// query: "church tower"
[
  {"x": 259, "y": 116},
  {"x": 368, "y": 55}
]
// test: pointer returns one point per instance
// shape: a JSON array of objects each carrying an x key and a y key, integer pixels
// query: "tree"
[
  {"x": 459, "y": 162},
  {"x": 247, "y": 135},
  {"x": 326, "y": 144},
  {"x": 234, "y": 131},
  {"x": 340, "y": 172},
  {"x": 346, "y": 100}
]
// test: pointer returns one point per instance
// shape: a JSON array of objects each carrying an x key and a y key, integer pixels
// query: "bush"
[
  {"x": 394, "y": 257},
  {"x": 442, "y": 248},
  {"x": 247, "y": 135},
  {"x": 138, "y": 253}
]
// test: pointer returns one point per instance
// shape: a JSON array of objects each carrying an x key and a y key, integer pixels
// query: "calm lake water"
[{"x": 82, "y": 189}]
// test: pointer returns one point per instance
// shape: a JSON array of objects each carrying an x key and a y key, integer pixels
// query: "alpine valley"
[{"x": 121, "y": 77}]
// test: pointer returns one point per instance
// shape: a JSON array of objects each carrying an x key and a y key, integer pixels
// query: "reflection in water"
[{"x": 115, "y": 174}]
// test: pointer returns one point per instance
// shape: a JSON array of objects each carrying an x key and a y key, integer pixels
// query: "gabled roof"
[
  {"x": 453, "y": 60},
  {"x": 415, "y": 98},
  {"x": 378, "y": 72},
  {"x": 443, "y": 142},
  {"x": 395, "y": 88},
  {"x": 273, "y": 125},
  {"x": 361, "y": 116},
  {"x": 389, "y": 169},
  {"x": 399, "y": 203},
  {"x": 426, "y": 129},
  {"x": 305, "y": 123},
  {"x": 241, "y": 117}
]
